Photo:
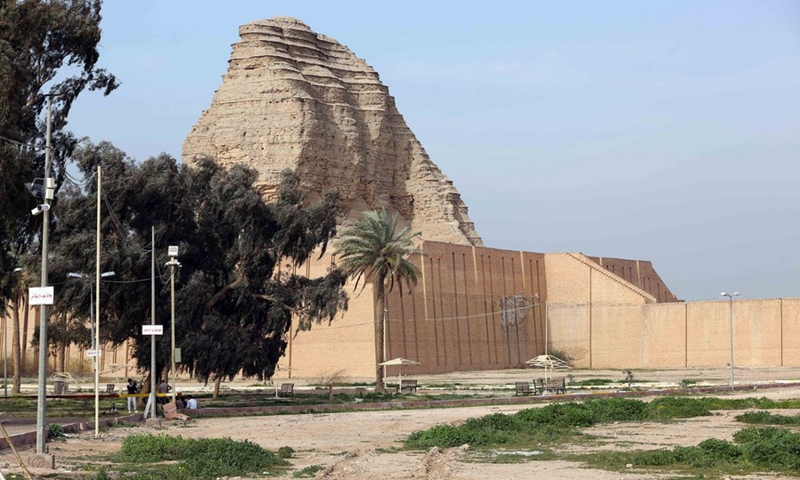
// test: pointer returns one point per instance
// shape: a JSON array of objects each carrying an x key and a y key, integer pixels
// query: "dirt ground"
[{"x": 362, "y": 445}]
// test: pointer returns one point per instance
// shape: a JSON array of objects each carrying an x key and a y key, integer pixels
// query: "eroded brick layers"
[{"x": 296, "y": 99}]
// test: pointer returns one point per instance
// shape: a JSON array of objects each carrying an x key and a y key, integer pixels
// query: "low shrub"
[
  {"x": 308, "y": 472},
  {"x": 766, "y": 418},
  {"x": 753, "y": 449},
  {"x": 676, "y": 407},
  {"x": 617, "y": 409},
  {"x": 286, "y": 452},
  {"x": 590, "y": 382},
  {"x": 196, "y": 458},
  {"x": 770, "y": 447}
]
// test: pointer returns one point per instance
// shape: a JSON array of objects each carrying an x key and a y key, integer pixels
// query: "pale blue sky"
[{"x": 666, "y": 131}]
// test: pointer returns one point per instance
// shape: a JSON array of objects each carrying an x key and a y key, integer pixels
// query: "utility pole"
[
  {"x": 173, "y": 262},
  {"x": 153, "y": 322},
  {"x": 97, "y": 347},
  {"x": 41, "y": 396}
]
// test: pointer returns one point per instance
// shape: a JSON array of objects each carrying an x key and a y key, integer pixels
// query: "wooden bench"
[
  {"x": 287, "y": 390},
  {"x": 408, "y": 385},
  {"x": 556, "y": 385},
  {"x": 524, "y": 388}
]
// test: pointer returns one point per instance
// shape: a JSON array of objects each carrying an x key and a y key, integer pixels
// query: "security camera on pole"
[{"x": 173, "y": 262}]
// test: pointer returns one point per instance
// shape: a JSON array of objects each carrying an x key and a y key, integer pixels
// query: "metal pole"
[
  {"x": 546, "y": 321},
  {"x": 384, "y": 343},
  {"x": 41, "y": 395},
  {"x": 91, "y": 326},
  {"x": 731, "y": 310},
  {"x": 172, "y": 326},
  {"x": 97, "y": 311},
  {"x": 5, "y": 351},
  {"x": 152, "y": 322}
]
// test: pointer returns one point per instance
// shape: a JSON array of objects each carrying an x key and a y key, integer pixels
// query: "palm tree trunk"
[
  {"x": 380, "y": 302},
  {"x": 15, "y": 350}
]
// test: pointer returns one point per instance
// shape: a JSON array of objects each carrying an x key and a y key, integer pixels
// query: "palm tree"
[{"x": 373, "y": 250}]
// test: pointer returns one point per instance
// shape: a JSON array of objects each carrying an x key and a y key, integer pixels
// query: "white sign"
[
  {"x": 92, "y": 353},
  {"x": 40, "y": 295},
  {"x": 152, "y": 329}
]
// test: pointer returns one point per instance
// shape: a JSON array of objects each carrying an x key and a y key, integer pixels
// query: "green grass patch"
[
  {"x": 205, "y": 458},
  {"x": 553, "y": 423},
  {"x": 765, "y": 418},
  {"x": 753, "y": 449},
  {"x": 560, "y": 422},
  {"x": 308, "y": 472},
  {"x": 592, "y": 382}
]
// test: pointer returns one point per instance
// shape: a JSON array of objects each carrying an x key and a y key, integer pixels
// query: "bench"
[
  {"x": 287, "y": 390},
  {"x": 408, "y": 385},
  {"x": 556, "y": 385},
  {"x": 524, "y": 388}
]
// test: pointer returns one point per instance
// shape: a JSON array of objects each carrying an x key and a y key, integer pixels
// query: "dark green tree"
[
  {"x": 235, "y": 300},
  {"x": 47, "y": 48},
  {"x": 373, "y": 250}
]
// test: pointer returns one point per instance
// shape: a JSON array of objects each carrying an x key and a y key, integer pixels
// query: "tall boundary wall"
[
  {"x": 477, "y": 308},
  {"x": 677, "y": 335}
]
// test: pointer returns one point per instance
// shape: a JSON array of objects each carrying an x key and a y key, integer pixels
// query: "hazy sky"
[{"x": 666, "y": 131}]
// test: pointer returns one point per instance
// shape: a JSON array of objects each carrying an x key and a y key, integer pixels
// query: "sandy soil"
[{"x": 362, "y": 445}]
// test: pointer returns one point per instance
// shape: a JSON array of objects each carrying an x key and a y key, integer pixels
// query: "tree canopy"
[
  {"x": 236, "y": 299},
  {"x": 48, "y": 50}
]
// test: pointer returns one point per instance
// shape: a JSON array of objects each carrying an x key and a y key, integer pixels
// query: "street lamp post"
[
  {"x": 49, "y": 193},
  {"x": 172, "y": 251},
  {"x": 94, "y": 326},
  {"x": 730, "y": 298}
]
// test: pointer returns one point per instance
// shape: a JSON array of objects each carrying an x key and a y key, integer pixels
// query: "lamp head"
[
  {"x": 723, "y": 294},
  {"x": 172, "y": 251},
  {"x": 74, "y": 275}
]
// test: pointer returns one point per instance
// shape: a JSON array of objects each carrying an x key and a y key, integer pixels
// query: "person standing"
[
  {"x": 164, "y": 388},
  {"x": 132, "y": 388}
]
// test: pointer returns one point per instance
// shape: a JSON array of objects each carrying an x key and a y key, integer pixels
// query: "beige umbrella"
[
  {"x": 549, "y": 363},
  {"x": 399, "y": 362}
]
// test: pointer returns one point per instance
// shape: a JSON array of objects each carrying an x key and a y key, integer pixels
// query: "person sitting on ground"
[
  {"x": 191, "y": 403},
  {"x": 132, "y": 390}
]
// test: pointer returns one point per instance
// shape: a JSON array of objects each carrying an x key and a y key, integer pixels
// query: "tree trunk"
[
  {"x": 61, "y": 349},
  {"x": 145, "y": 388},
  {"x": 216, "y": 388},
  {"x": 15, "y": 351},
  {"x": 62, "y": 358},
  {"x": 380, "y": 314},
  {"x": 24, "y": 343}
]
